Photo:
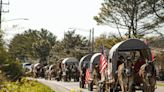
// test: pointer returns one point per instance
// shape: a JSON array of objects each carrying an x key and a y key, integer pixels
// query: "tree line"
[{"x": 42, "y": 46}]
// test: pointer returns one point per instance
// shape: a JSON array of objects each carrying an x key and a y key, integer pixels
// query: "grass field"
[
  {"x": 160, "y": 84},
  {"x": 24, "y": 86}
]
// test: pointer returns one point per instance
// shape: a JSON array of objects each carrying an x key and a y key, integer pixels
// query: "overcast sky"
[{"x": 56, "y": 16}]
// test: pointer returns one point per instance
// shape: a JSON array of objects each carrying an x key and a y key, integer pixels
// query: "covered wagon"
[
  {"x": 70, "y": 69},
  {"x": 93, "y": 71},
  {"x": 83, "y": 65},
  {"x": 138, "y": 51}
]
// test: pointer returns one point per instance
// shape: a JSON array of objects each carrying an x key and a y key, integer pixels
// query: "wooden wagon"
[
  {"x": 138, "y": 51},
  {"x": 68, "y": 64},
  {"x": 83, "y": 65},
  {"x": 93, "y": 71}
]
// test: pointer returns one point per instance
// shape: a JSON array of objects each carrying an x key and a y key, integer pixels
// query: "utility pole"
[
  {"x": 92, "y": 40},
  {"x": 1, "y": 11},
  {"x": 89, "y": 44}
]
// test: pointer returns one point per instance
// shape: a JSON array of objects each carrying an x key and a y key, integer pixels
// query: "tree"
[
  {"x": 20, "y": 47},
  {"x": 57, "y": 52},
  {"x": 46, "y": 35},
  {"x": 135, "y": 16},
  {"x": 72, "y": 40},
  {"x": 72, "y": 45},
  {"x": 106, "y": 41},
  {"x": 9, "y": 68},
  {"x": 28, "y": 44},
  {"x": 42, "y": 49},
  {"x": 157, "y": 6}
]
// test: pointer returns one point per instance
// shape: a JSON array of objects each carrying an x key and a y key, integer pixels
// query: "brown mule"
[
  {"x": 126, "y": 76},
  {"x": 147, "y": 74},
  {"x": 96, "y": 75}
]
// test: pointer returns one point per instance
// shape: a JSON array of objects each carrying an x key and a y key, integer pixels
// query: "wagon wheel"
[
  {"x": 101, "y": 87},
  {"x": 133, "y": 88},
  {"x": 90, "y": 86},
  {"x": 80, "y": 84},
  {"x": 115, "y": 86},
  {"x": 49, "y": 78},
  {"x": 110, "y": 90}
]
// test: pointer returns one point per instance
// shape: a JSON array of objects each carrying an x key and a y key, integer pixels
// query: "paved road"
[
  {"x": 74, "y": 86},
  {"x": 63, "y": 86}
]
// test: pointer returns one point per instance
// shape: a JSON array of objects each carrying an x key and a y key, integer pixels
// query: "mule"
[
  {"x": 126, "y": 75},
  {"x": 59, "y": 74},
  {"x": 96, "y": 75},
  {"x": 52, "y": 71},
  {"x": 46, "y": 68},
  {"x": 147, "y": 74},
  {"x": 75, "y": 73}
]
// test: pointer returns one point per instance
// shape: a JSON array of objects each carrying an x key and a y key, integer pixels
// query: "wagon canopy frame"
[
  {"x": 85, "y": 59},
  {"x": 127, "y": 45},
  {"x": 95, "y": 59},
  {"x": 70, "y": 60}
]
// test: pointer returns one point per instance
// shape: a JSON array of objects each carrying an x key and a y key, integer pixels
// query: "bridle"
[
  {"x": 128, "y": 67},
  {"x": 128, "y": 70},
  {"x": 149, "y": 73}
]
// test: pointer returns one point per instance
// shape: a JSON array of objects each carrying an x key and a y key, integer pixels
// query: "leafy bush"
[
  {"x": 13, "y": 70},
  {"x": 25, "y": 85}
]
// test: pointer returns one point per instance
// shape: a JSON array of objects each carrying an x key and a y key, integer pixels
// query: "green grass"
[
  {"x": 25, "y": 86},
  {"x": 160, "y": 84}
]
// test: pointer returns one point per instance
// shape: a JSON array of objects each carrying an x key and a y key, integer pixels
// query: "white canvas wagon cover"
[
  {"x": 95, "y": 59},
  {"x": 84, "y": 59},
  {"x": 127, "y": 45},
  {"x": 70, "y": 60}
]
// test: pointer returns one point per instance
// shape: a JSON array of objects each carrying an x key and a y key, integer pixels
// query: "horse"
[
  {"x": 126, "y": 75},
  {"x": 147, "y": 74}
]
